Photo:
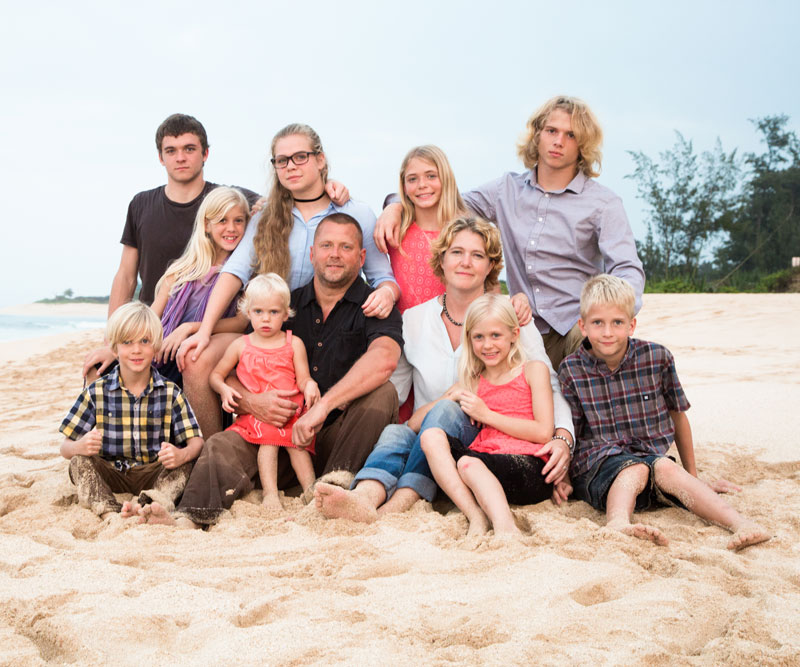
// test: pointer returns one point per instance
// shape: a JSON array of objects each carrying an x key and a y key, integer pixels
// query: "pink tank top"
[{"x": 512, "y": 399}]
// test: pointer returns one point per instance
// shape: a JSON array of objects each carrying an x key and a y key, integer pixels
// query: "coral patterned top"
[
  {"x": 512, "y": 399},
  {"x": 413, "y": 272}
]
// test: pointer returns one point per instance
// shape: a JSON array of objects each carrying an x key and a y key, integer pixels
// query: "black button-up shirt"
[{"x": 335, "y": 344}]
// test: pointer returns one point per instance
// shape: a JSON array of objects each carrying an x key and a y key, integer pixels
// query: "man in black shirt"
[
  {"x": 350, "y": 356},
  {"x": 160, "y": 221}
]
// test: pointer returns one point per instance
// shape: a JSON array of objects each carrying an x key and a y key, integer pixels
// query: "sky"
[{"x": 86, "y": 84}]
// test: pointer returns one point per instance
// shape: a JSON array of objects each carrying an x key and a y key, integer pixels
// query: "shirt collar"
[
  {"x": 114, "y": 380},
  {"x": 576, "y": 185}
]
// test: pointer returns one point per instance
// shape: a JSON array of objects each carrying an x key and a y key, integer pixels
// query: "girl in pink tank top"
[
  {"x": 513, "y": 401},
  {"x": 269, "y": 359}
]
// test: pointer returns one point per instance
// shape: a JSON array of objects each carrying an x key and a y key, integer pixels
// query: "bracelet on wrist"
[{"x": 570, "y": 445}]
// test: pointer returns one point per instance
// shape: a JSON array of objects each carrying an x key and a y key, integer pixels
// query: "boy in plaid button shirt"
[
  {"x": 131, "y": 431},
  {"x": 628, "y": 406}
]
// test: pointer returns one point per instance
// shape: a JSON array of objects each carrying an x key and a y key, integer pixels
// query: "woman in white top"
[{"x": 467, "y": 258}]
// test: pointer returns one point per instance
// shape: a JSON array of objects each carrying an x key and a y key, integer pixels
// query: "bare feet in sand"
[
  {"x": 130, "y": 509},
  {"x": 272, "y": 502},
  {"x": 155, "y": 513},
  {"x": 478, "y": 526},
  {"x": 748, "y": 534},
  {"x": 640, "y": 531},
  {"x": 337, "y": 503}
]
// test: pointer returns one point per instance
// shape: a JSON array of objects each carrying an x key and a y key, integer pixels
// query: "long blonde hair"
[
  {"x": 495, "y": 306},
  {"x": 587, "y": 130},
  {"x": 271, "y": 241},
  {"x": 450, "y": 202},
  {"x": 198, "y": 256}
]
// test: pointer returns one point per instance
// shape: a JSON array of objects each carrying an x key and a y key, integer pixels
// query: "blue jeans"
[{"x": 398, "y": 462}]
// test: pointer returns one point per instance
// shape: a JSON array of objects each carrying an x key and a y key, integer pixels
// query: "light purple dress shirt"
[{"x": 554, "y": 241}]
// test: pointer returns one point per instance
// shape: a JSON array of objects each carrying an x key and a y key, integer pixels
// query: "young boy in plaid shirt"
[
  {"x": 130, "y": 431},
  {"x": 628, "y": 406}
]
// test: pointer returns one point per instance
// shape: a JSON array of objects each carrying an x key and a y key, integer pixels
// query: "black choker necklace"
[
  {"x": 305, "y": 201},
  {"x": 446, "y": 314}
]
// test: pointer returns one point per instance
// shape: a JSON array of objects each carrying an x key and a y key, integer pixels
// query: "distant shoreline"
[{"x": 89, "y": 310}]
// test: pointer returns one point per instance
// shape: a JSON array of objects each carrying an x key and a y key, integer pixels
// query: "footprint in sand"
[{"x": 597, "y": 593}]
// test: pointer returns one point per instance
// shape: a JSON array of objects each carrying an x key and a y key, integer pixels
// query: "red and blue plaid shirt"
[
  {"x": 133, "y": 427},
  {"x": 625, "y": 411}
]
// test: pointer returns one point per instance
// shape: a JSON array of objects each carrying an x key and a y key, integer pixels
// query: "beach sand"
[{"x": 407, "y": 590}]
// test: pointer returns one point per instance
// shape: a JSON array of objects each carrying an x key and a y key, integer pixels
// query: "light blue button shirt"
[{"x": 377, "y": 268}]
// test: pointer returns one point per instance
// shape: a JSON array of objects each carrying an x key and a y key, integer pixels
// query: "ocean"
[{"x": 22, "y": 327}]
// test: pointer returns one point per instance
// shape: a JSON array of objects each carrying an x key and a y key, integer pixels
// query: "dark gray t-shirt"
[{"x": 159, "y": 229}]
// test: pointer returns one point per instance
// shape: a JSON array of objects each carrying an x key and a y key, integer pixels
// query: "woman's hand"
[
  {"x": 169, "y": 348},
  {"x": 557, "y": 467},
  {"x": 380, "y": 303},
  {"x": 194, "y": 346},
  {"x": 337, "y": 192},
  {"x": 522, "y": 307}
]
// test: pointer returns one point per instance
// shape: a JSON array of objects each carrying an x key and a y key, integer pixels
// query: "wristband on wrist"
[
  {"x": 391, "y": 291},
  {"x": 570, "y": 445}
]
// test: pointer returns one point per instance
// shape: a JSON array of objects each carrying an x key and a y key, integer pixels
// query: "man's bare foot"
[
  {"x": 155, "y": 513},
  {"x": 640, "y": 531},
  {"x": 130, "y": 508},
  {"x": 272, "y": 502},
  {"x": 748, "y": 534},
  {"x": 337, "y": 503}
]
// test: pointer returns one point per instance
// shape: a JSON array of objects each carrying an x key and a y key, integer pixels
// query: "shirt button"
[
  {"x": 319, "y": 344},
  {"x": 533, "y": 242},
  {"x": 537, "y": 289},
  {"x": 315, "y": 368},
  {"x": 530, "y": 268},
  {"x": 546, "y": 195},
  {"x": 317, "y": 321},
  {"x": 540, "y": 219}
]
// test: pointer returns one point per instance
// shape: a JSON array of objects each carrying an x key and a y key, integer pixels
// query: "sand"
[{"x": 408, "y": 590}]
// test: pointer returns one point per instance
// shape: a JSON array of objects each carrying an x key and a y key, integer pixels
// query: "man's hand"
[
  {"x": 308, "y": 425},
  {"x": 337, "y": 192},
  {"x": 270, "y": 407},
  {"x": 191, "y": 348},
  {"x": 387, "y": 228},
  {"x": 102, "y": 355},
  {"x": 522, "y": 307},
  {"x": 171, "y": 456},
  {"x": 557, "y": 467},
  {"x": 89, "y": 444}
]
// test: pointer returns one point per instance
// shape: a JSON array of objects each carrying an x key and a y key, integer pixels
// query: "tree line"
[{"x": 717, "y": 221}]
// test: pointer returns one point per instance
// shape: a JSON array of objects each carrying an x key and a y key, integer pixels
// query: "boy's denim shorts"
[{"x": 594, "y": 486}]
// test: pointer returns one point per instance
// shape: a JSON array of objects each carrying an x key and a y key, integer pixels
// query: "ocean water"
[{"x": 22, "y": 327}]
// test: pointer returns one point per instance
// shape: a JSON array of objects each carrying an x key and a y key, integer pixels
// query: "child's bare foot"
[
  {"x": 640, "y": 531},
  {"x": 478, "y": 526},
  {"x": 130, "y": 508},
  {"x": 272, "y": 502},
  {"x": 337, "y": 503},
  {"x": 156, "y": 513},
  {"x": 748, "y": 534}
]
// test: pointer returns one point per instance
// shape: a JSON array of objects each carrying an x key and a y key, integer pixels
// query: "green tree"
[
  {"x": 689, "y": 198},
  {"x": 764, "y": 233}
]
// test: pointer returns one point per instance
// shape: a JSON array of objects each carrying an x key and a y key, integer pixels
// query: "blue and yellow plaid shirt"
[{"x": 132, "y": 427}]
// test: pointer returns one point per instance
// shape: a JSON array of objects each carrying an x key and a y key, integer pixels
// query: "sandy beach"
[{"x": 408, "y": 590}]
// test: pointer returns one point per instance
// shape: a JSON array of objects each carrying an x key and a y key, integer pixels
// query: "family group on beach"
[{"x": 374, "y": 362}]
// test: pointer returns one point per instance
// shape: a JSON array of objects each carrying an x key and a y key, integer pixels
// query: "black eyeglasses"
[{"x": 300, "y": 157}]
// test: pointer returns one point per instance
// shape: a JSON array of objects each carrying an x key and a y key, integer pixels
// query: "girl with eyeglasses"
[{"x": 278, "y": 240}]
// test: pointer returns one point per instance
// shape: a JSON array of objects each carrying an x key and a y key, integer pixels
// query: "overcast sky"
[{"x": 85, "y": 84}]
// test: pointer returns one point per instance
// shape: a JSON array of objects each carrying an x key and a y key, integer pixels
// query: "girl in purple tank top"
[{"x": 183, "y": 291}]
